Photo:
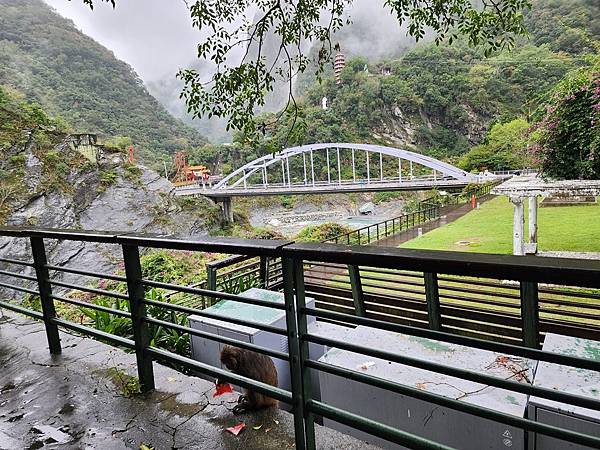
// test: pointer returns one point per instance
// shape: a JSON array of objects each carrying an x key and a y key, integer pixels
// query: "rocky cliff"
[{"x": 58, "y": 187}]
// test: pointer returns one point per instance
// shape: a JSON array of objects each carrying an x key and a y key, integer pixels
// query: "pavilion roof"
[{"x": 533, "y": 185}]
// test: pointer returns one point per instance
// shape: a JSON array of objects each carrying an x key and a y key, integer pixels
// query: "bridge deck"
[{"x": 319, "y": 188}]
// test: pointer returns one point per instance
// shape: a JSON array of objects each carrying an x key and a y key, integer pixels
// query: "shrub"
[
  {"x": 108, "y": 178},
  {"x": 380, "y": 197},
  {"x": 132, "y": 171},
  {"x": 322, "y": 232},
  {"x": 264, "y": 233},
  {"x": 505, "y": 147},
  {"x": 288, "y": 201},
  {"x": 62, "y": 168},
  {"x": 17, "y": 159}
]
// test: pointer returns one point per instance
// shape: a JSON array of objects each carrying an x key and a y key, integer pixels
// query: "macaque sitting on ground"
[{"x": 252, "y": 365}]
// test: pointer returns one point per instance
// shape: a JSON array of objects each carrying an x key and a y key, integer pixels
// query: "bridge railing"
[
  {"x": 528, "y": 273},
  {"x": 430, "y": 180},
  {"x": 525, "y": 171}
]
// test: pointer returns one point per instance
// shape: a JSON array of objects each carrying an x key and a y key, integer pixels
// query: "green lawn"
[{"x": 489, "y": 230}]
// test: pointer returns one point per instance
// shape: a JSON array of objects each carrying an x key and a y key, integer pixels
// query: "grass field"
[{"x": 489, "y": 230}]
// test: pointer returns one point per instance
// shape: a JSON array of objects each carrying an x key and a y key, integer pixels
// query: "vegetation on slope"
[
  {"x": 38, "y": 162},
  {"x": 505, "y": 146},
  {"x": 69, "y": 74},
  {"x": 435, "y": 99},
  {"x": 440, "y": 100},
  {"x": 25, "y": 127},
  {"x": 568, "y": 136}
]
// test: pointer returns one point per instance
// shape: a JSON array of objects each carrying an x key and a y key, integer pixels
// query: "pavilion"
[{"x": 530, "y": 188}]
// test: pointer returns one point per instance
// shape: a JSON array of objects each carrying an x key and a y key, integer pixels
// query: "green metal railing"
[
  {"x": 528, "y": 272},
  {"x": 486, "y": 308},
  {"x": 381, "y": 230}
]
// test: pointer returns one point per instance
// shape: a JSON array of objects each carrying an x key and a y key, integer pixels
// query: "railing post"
[
  {"x": 357, "y": 290},
  {"x": 530, "y": 314},
  {"x": 43, "y": 278},
  {"x": 298, "y": 400},
  {"x": 432, "y": 296},
  {"x": 141, "y": 335},
  {"x": 309, "y": 418},
  {"x": 211, "y": 278},
  {"x": 263, "y": 272}
]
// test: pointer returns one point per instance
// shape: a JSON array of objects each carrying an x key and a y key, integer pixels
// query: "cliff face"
[{"x": 108, "y": 195}]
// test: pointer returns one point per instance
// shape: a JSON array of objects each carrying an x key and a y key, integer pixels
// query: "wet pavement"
[{"x": 82, "y": 399}]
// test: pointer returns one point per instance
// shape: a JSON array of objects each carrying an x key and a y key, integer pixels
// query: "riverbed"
[{"x": 289, "y": 216}]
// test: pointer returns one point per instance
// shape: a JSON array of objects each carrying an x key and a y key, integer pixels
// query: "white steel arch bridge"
[{"x": 334, "y": 168}]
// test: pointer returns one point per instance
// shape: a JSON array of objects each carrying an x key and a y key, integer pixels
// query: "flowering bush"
[{"x": 568, "y": 136}]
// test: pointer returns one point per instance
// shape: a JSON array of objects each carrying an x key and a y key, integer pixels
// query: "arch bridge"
[{"x": 333, "y": 168}]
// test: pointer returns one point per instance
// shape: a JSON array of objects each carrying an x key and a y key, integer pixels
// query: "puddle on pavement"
[
  {"x": 45, "y": 435},
  {"x": 171, "y": 404},
  {"x": 7, "y": 387},
  {"x": 67, "y": 409}
]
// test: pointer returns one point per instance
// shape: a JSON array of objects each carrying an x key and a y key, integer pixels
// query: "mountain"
[
  {"x": 443, "y": 99},
  {"x": 70, "y": 75}
]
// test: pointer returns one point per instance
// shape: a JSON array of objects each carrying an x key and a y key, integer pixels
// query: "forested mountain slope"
[
  {"x": 444, "y": 99},
  {"x": 70, "y": 75}
]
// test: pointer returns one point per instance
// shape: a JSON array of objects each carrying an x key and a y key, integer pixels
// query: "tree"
[
  {"x": 568, "y": 134},
  {"x": 237, "y": 88},
  {"x": 506, "y": 147}
]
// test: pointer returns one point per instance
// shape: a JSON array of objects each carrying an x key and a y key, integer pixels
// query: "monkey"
[{"x": 252, "y": 365}]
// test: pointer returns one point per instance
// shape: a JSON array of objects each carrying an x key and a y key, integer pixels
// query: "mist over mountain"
[{"x": 157, "y": 39}]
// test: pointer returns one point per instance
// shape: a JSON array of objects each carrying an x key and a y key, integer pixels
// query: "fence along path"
[{"x": 477, "y": 307}]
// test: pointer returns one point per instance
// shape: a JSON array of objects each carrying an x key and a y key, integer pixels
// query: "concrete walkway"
[{"x": 80, "y": 400}]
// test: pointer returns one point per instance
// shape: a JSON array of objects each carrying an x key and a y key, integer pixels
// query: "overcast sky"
[{"x": 154, "y": 36}]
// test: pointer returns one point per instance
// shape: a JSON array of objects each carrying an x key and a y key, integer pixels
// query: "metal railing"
[
  {"x": 381, "y": 230},
  {"x": 529, "y": 273},
  {"x": 526, "y": 171},
  {"x": 479, "y": 307}
]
